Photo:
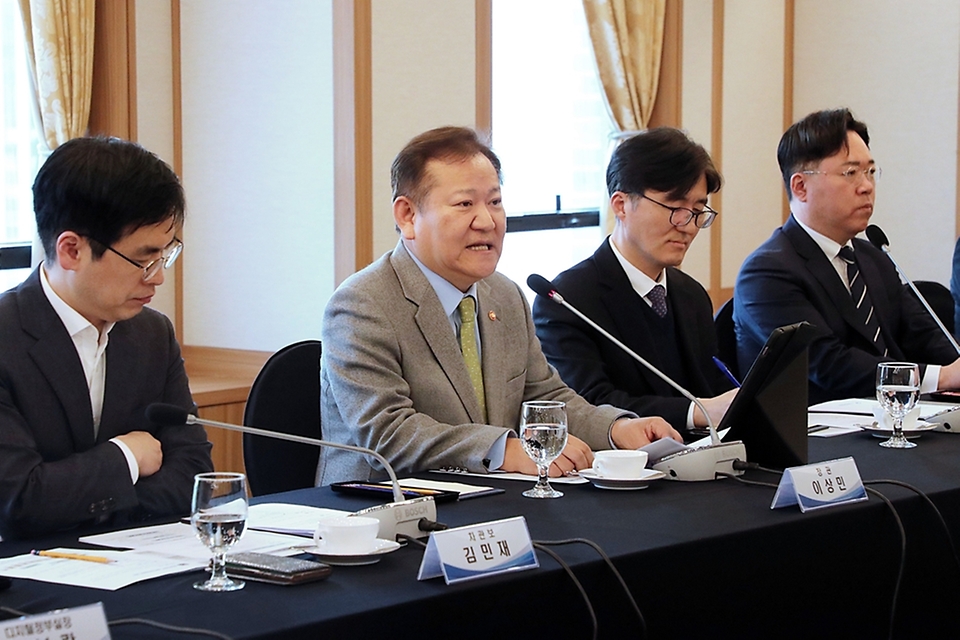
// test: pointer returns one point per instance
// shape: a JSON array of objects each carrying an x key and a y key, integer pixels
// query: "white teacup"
[
  {"x": 347, "y": 534},
  {"x": 625, "y": 464}
]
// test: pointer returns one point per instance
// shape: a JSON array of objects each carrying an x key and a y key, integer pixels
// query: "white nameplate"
[
  {"x": 79, "y": 623},
  {"x": 478, "y": 550},
  {"x": 821, "y": 484}
]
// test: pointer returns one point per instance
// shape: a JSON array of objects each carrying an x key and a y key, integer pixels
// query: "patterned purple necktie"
[{"x": 658, "y": 300}]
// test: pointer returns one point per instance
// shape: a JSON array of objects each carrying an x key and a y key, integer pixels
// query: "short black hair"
[
  {"x": 444, "y": 143},
  {"x": 661, "y": 159},
  {"x": 819, "y": 135},
  {"x": 103, "y": 189}
]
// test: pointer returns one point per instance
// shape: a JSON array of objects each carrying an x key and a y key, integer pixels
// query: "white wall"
[
  {"x": 896, "y": 65},
  {"x": 155, "y": 105},
  {"x": 258, "y": 149},
  {"x": 424, "y": 76},
  {"x": 752, "y": 126},
  {"x": 696, "y": 91},
  {"x": 257, "y": 100}
]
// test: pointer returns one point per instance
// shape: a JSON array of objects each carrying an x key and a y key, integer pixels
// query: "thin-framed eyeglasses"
[
  {"x": 680, "y": 216},
  {"x": 853, "y": 175},
  {"x": 167, "y": 257}
]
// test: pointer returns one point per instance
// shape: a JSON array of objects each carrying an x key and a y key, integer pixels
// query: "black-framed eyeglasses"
[
  {"x": 680, "y": 216},
  {"x": 167, "y": 257}
]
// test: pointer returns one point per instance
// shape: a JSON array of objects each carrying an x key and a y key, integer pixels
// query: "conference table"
[{"x": 707, "y": 559}]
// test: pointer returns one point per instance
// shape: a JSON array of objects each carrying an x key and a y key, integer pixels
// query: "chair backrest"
[
  {"x": 727, "y": 337},
  {"x": 285, "y": 397},
  {"x": 941, "y": 301}
]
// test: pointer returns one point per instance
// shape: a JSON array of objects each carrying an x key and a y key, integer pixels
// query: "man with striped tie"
[{"x": 814, "y": 268}]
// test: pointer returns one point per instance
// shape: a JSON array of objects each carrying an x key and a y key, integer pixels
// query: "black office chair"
[
  {"x": 727, "y": 337},
  {"x": 941, "y": 301},
  {"x": 285, "y": 397}
]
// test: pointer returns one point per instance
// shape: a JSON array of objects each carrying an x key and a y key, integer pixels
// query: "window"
[
  {"x": 20, "y": 149},
  {"x": 551, "y": 131}
]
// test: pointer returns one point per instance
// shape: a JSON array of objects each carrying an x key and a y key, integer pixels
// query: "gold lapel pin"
[{"x": 492, "y": 315}]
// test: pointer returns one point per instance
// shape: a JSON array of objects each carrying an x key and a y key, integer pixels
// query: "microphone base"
[
  {"x": 694, "y": 465},
  {"x": 402, "y": 517}
]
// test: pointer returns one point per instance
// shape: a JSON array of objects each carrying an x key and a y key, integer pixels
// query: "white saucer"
[
  {"x": 884, "y": 432},
  {"x": 381, "y": 548},
  {"x": 622, "y": 484}
]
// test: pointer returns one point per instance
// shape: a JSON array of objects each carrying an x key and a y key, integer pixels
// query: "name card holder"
[
  {"x": 819, "y": 485},
  {"x": 478, "y": 550},
  {"x": 88, "y": 622}
]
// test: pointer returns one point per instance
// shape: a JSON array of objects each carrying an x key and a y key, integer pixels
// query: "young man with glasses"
[
  {"x": 81, "y": 358},
  {"x": 659, "y": 182},
  {"x": 814, "y": 268}
]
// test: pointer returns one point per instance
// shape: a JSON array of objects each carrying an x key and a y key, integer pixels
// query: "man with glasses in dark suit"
[
  {"x": 659, "y": 182},
  {"x": 81, "y": 356},
  {"x": 814, "y": 268}
]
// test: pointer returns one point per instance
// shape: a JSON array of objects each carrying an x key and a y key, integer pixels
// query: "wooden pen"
[{"x": 71, "y": 556}]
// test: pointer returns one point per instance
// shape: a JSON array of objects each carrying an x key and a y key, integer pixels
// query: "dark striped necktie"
[{"x": 861, "y": 298}]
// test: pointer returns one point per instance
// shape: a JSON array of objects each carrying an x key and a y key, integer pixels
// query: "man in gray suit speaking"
[{"x": 428, "y": 353}]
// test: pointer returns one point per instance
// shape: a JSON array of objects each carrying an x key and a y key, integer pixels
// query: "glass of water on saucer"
[
  {"x": 898, "y": 388},
  {"x": 543, "y": 434}
]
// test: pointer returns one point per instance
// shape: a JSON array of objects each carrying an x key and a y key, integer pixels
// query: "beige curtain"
[
  {"x": 627, "y": 40},
  {"x": 60, "y": 39}
]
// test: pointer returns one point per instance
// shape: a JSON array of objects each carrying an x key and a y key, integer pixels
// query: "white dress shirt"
[{"x": 91, "y": 346}]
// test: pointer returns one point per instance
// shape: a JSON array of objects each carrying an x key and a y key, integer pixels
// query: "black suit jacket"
[
  {"x": 789, "y": 279},
  {"x": 599, "y": 370},
  {"x": 53, "y": 474}
]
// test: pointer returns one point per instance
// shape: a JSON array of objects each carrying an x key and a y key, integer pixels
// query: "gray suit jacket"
[
  {"x": 392, "y": 377},
  {"x": 53, "y": 473}
]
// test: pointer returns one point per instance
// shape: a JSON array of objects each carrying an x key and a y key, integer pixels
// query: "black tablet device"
[{"x": 769, "y": 413}]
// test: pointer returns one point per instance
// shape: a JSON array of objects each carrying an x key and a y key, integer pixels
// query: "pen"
[
  {"x": 417, "y": 491},
  {"x": 841, "y": 413},
  {"x": 817, "y": 427},
  {"x": 940, "y": 413},
  {"x": 71, "y": 556},
  {"x": 725, "y": 371}
]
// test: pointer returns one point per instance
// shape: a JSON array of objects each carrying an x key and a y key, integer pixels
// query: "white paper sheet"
[
  {"x": 502, "y": 475},
  {"x": 127, "y": 568},
  {"x": 838, "y": 424},
  {"x": 180, "y": 540},
  {"x": 846, "y": 416},
  {"x": 465, "y": 490},
  {"x": 291, "y": 519},
  {"x": 865, "y": 407}
]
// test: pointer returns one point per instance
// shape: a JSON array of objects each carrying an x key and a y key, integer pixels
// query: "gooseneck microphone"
[
  {"x": 395, "y": 517},
  {"x": 878, "y": 238},
  {"x": 543, "y": 287},
  {"x": 172, "y": 415},
  {"x": 691, "y": 464}
]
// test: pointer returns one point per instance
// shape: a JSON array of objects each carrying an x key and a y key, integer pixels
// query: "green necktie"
[{"x": 468, "y": 346}]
